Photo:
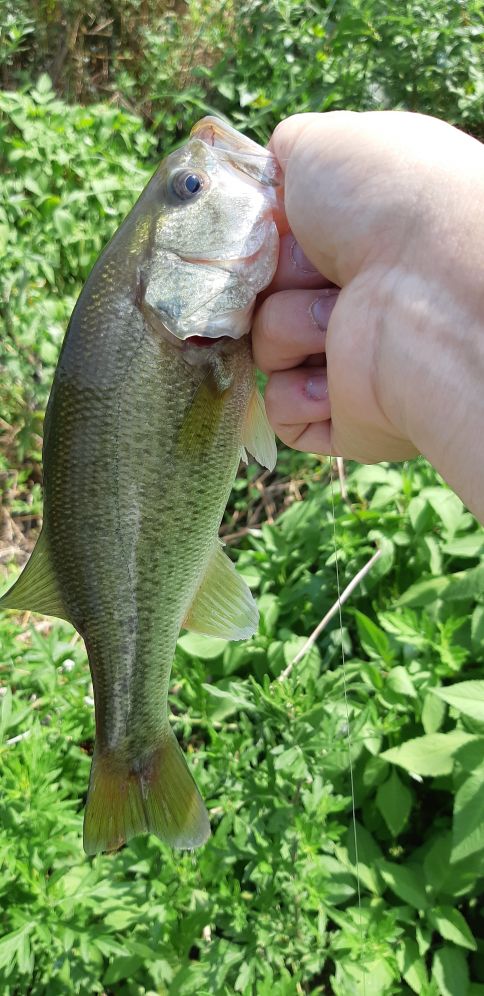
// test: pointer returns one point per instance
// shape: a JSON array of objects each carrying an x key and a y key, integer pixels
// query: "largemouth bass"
[{"x": 153, "y": 402}]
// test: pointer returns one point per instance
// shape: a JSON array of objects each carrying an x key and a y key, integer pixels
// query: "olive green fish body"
[
  {"x": 145, "y": 503},
  {"x": 153, "y": 404}
]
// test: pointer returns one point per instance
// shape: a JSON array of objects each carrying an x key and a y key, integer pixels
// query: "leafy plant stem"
[{"x": 311, "y": 640}]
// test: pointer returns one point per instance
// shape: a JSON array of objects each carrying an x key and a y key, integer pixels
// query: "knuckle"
[
  {"x": 272, "y": 400},
  {"x": 268, "y": 323}
]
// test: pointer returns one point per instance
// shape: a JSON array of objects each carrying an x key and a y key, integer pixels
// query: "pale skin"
[{"x": 389, "y": 362}]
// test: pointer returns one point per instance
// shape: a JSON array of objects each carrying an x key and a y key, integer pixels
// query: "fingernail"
[
  {"x": 317, "y": 387},
  {"x": 300, "y": 260},
  {"x": 320, "y": 310}
]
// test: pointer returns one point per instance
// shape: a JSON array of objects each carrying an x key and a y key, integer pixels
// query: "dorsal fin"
[{"x": 37, "y": 588}]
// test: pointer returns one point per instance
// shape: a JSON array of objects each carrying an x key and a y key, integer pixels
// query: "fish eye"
[{"x": 186, "y": 185}]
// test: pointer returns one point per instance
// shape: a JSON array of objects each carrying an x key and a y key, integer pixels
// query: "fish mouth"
[
  {"x": 205, "y": 341},
  {"x": 241, "y": 152}
]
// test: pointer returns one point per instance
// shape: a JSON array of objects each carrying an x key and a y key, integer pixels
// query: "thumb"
[
  {"x": 315, "y": 152},
  {"x": 358, "y": 186}
]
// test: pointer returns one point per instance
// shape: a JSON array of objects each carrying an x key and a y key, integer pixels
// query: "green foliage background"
[{"x": 270, "y": 905}]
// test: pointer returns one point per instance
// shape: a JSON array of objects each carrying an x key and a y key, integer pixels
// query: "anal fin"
[
  {"x": 223, "y": 605},
  {"x": 37, "y": 588}
]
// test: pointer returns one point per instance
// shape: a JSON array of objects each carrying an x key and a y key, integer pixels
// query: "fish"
[{"x": 154, "y": 402}]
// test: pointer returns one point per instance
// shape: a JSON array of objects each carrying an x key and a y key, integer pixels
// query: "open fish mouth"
[
  {"x": 241, "y": 152},
  {"x": 205, "y": 341}
]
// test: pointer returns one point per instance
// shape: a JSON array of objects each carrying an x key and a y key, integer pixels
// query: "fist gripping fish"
[{"x": 153, "y": 403}]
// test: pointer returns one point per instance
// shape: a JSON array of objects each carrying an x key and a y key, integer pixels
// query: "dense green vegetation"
[
  {"x": 270, "y": 905},
  {"x": 257, "y": 60}
]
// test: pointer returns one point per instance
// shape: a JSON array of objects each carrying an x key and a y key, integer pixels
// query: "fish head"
[{"x": 210, "y": 235}]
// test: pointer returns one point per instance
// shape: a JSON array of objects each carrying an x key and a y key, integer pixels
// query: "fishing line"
[{"x": 349, "y": 742}]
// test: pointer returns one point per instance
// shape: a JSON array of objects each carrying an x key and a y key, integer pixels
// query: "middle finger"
[{"x": 290, "y": 326}]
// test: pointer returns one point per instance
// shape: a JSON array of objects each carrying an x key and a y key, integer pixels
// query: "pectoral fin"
[
  {"x": 257, "y": 435},
  {"x": 37, "y": 588},
  {"x": 223, "y": 605},
  {"x": 202, "y": 418}
]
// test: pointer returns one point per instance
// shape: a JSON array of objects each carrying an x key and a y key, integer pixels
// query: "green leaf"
[
  {"x": 429, "y": 755},
  {"x": 446, "y": 505},
  {"x": 44, "y": 84},
  {"x": 353, "y": 978},
  {"x": 11, "y": 944},
  {"x": 424, "y": 592},
  {"x": 122, "y": 967},
  {"x": 386, "y": 560},
  {"x": 419, "y": 514},
  {"x": 405, "y": 883},
  {"x": 450, "y": 972},
  {"x": 465, "y": 584},
  {"x": 374, "y": 640},
  {"x": 368, "y": 855},
  {"x": 466, "y": 696},
  {"x": 452, "y": 926},
  {"x": 63, "y": 222},
  {"x": 227, "y": 89},
  {"x": 231, "y": 697},
  {"x": 290, "y": 760},
  {"x": 385, "y": 495},
  {"x": 468, "y": 825},
  {"x": 434, "y": 554},
  {"x": 465, "y": 546},
  {"x": 423, "y": 936},
  {"x": 412, "y": 965},
  {"x": 30, "y": 183},
  {"x": 433, "y": 713},
  {"x": 120, "y": 919},
  {"x": 5, "y": 712},
  {"x": 245, "y": 977},
  {"x": 400, "y": 682},
  {"x": 204, "y": 647},
  {"x": 477, "y": 626},
  {"x": 394, "y": 800},
  {"x": 437, "y": 860}
]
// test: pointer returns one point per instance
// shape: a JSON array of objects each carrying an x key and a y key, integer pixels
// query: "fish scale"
[{"x": 143, "y": 436}]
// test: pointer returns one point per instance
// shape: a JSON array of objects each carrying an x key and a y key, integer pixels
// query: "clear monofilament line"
[{"x": 348, "y": 725}]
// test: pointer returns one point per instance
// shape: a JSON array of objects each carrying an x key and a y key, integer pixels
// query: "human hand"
[{"x": 389, "y": 206}]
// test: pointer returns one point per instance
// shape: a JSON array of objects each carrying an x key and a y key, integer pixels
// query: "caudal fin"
[{"x": 159, "y": 796}]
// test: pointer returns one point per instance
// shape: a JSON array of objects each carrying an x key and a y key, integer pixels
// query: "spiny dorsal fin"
[
  {"x": 223, "y": 605},
  {"x": 37, "y": 589},
  {"x": 257, "y": 435}
]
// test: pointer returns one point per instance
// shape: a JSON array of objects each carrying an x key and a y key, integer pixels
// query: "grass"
[{"x": 270, "y": 903}]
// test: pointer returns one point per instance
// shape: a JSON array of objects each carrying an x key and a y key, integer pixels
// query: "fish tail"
[{"x": 156, "y": 795}]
